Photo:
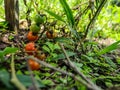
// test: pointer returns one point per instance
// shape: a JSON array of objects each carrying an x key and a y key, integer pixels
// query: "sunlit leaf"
[
  {"x": 64, "y": 40},
  {"x": 50, "y": 45},
  {"x": 70, "y": 18},
  {"x": 109, "y": 48},
  {"x": 68, "y": 12},
  {"x": 56, "y": 46},
  {"x": 9, "y": 50},
  {"x": 48, "y": 82},
  {"x": 46, "y": 48},
  {"x": 3, "y": 24}
]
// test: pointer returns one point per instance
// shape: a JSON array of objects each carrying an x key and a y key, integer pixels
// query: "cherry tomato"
[
  {"x": 32, "y": 37},
  {"x": 51, "y": 34},
  {"x": 33, "y": 64},
  {"x": 30, "y": 48}
]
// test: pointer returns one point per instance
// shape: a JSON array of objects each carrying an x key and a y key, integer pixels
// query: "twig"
[
  {"x": 14, "y": 79},
  {"x": 92, "y": 85},
  {"x": 61, "y": 71}
]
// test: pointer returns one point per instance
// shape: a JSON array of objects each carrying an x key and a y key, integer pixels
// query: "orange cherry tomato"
[
  {"x": 31, "y": 36},
  {"x": 33, "y": 64},
  {"x": 51, "y": 34},
  {"x": 30, "y": 48}
]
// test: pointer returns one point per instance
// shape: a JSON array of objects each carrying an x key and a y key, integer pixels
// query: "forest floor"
[{"x": 8, "y": 39}]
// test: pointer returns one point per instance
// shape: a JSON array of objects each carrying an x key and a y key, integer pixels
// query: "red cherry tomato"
[
  {"x": 30, "y": 48},
  {"x": 32, "y": 37},
  {"x": 33, "y": 64}
]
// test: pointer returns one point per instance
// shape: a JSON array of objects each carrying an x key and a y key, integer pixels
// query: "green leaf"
[
  {"x": 46, "y": 48},
  {"x": 27, "y": 81},
  {"x": 55, "y": 15},
  {"x": 64, "y": 40},
  {"x": 62, "y": 56},
  {"x": 78, "y": 64},
  {"x": 70, "y": 17},
  {"x": 110, "y": 62},
  {"x": 59, "y": 87},
  {"x": 5, "y": 78},
  {"x": 48, "y": 82},
  {"x": 87, "y": 58},
  {"x": 47, "y": 74},
  {"x": 56, "y": 46},
  {"x": 109, "y": 48},
  {"x": 1, "y": 54},
  {"x": 9, "y": 50},
  {"x": 53, "y": 55},
  {"x": 3, "y": 24},
  {"x": 68, "y": 12},
  {"x": 50, "y": 45}
]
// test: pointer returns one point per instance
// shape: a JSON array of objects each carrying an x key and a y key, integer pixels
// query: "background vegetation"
[{"x": 86, "y": 46}]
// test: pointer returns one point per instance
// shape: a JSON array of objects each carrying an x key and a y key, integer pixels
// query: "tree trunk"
[{"x": 12, "y": 14}]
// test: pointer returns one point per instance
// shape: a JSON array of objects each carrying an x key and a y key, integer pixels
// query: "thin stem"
[
  {"x": 14, "y": 79},
  {"x": 94, "y": 17}
]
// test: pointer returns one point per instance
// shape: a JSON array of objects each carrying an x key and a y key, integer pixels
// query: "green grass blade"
[
  {"x": 55, "y": 15},
  {"x": 68, "y": 12},
  {"x": 109, "y": 48}
]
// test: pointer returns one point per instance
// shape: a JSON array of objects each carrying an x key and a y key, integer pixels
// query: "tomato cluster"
[
  {"x": 32, "y": 36},
  {"x": 30, "y": 47}
]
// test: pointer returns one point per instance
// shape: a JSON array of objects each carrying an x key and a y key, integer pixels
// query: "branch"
[
  {"x": 61, "y": 71},
  {"x": 91, "y": 84}
]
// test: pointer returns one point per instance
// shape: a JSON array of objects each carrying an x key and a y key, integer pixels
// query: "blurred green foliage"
[{"x": 89, "y": 57}]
